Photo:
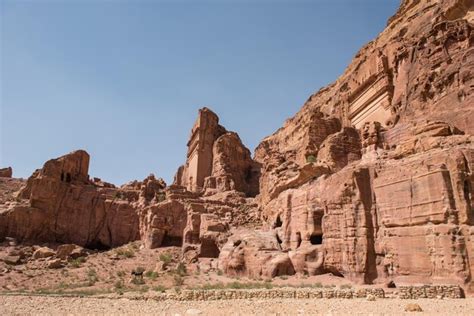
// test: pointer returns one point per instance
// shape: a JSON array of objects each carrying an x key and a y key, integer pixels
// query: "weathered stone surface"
[
  {"x": 163, "y": 224},
  {"x": 60, "y": 204},
  {"x": 199, "y": 160},
  {"x": 371, "y": 180},
  {"x": 43, "y": 252},
  {"x": 255, "y": 254},
  {"x": 11, "y": 259},
  {"x": 232, "y": 168},
  {"x": 395, "y": 199},
  {"x": 217, "y": 161},
  {"x": 72, "y": 251},
  {"x": 6, "y": 172}
]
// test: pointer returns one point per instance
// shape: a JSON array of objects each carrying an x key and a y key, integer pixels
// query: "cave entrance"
[
  {"x": 316, "y": 239},
  {"x": 172, "y": 241},
  {"x": 97, "y": 245},
  {"x": 278, "y": 222},
  {"x": 209, "y": 249}
]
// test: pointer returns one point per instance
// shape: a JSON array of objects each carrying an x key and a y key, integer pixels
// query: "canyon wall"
[{"x": 372, "y": 180}]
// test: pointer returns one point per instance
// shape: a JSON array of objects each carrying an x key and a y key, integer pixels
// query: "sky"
[{"x": 124, "y": 80}]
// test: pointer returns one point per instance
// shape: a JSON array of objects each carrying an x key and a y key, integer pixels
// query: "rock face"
[
  {"x": 376, "y": 168},
  {"x": 217, "y": 161},
  {"x": 371, "y": 180},
  {"x": 6, "y": 172},
  {"x": 60, "y": 204},
  {"x": 254, "y": 254}
]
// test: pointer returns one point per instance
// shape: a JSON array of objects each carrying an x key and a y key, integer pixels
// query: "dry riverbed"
[{"x": 48, "y": 305}]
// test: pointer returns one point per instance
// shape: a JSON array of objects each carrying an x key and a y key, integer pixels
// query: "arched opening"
[
  {"x": 209, "y": 249},
  {"x": 316, "y": 239},
  {"x": 391, "y": 285},
  {"x": 68, "y": 177},
  {"x": 278, "y": 222}
]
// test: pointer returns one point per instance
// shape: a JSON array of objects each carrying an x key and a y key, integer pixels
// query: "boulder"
[
  {"x": 54, "y": 263},
  {"x": 254, "y": 254},
  {"x": 413, "y": 307},
  {"x": 43, "y": 252},
  {"x": 12, "y": 260},
  {"x": 72, "y": 251}
]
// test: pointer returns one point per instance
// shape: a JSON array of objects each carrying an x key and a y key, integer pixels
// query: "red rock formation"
[
  {"x": 217, "y": 161},
  {"x": 6, "y": 172},
  {"x": 60, "y": 204},
  {"x": 371, "y": 180},
  {"x": 200, "y": 154},
  {"x": 394, "y": 202}
]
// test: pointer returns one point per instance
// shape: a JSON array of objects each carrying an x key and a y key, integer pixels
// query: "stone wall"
[
  {"x": 301, "y": 293},
  {"x": 430, "y": 291}
]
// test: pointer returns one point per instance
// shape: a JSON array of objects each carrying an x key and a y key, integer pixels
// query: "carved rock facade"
[{"x": 371, "y": 180}]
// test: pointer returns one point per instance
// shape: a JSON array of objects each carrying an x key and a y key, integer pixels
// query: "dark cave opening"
[
  {"x": 209, "y": 249},
  {"x": 316, "y": 239},
  {"x": 172, "y": 241},
  {"x": 278, "y": 222},
  {"x": 97, "y": 245}
]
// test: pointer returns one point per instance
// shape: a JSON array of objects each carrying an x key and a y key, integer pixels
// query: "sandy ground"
[
  {"x": 106, "y": 271},
  {"x": 46, "y": 305}
]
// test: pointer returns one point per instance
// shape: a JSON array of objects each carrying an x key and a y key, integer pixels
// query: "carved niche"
[{"x": 371, "y": 100}]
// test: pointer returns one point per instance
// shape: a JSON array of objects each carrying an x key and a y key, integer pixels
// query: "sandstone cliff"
[
  {"x": 372, "y": 180},
  {"x": 376, "y": 168}
]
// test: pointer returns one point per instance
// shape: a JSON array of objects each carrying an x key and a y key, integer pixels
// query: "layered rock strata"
[{"x": 372, "y": 180}]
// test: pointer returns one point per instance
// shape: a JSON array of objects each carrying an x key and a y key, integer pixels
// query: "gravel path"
[{"x": 42, "y": 305}]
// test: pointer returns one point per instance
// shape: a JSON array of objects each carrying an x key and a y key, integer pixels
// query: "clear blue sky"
[{"x": 124, "y": 79}]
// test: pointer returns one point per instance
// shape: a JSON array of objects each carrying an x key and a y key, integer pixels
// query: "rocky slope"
[{"x": 371, "y": 180}]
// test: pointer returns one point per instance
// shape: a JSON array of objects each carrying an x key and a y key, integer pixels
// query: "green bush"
[
  {"x": 139, "y": 270},
  {"x": 92, "y": 277},
  {"x": 76, "y": 263},
  {"x": 181, "y": 269},
  {"x": 159, "y": 288},
  {"x": 161, "y": 196},
  {"x": 151, "y": 275},
  {"x": 165, "y": 258},
  {"x": 311, "y": 159},
  {"x": 125, "y": 252},
  {"x": 137, "y": 280},
  {"x": 119, "y": 284}
]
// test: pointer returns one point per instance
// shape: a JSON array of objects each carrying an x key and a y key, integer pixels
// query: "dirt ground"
[
  {"x": 102, "y": 283},
  {"x": 47, "y": 305},
  {"x": 111, "y": 272}
]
